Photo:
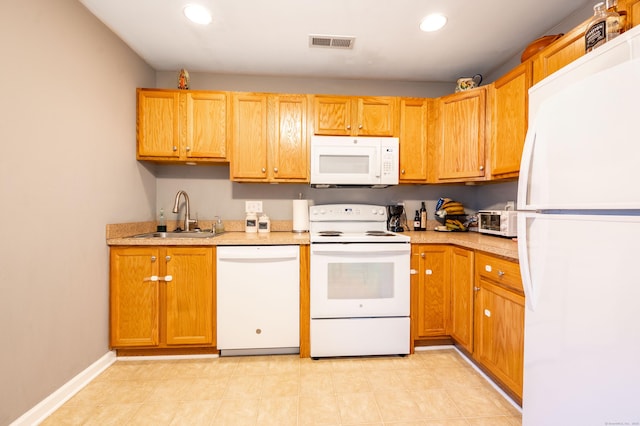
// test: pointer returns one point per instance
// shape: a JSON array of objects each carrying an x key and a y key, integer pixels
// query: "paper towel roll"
[{"x": 300, "y": 215}]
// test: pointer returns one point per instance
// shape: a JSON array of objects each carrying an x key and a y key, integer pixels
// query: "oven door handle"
[{"x": 360, "y": 250}]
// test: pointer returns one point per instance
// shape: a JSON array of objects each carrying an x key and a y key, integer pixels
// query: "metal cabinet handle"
[
  {"x": 360, "y": 126},
  {"x": 413, "y": 272},
  {"x": 402, "y": 171},
  {"x": 422, "y": 255},
  {"x": 476, "y": 289},
  {"x": 481, "y": 168},
  {"x": 153, "y": 258},
  {"x": 428, "y": 272},
  {"x": 275, "y": 170},
  {"x": 167, "y": 258},
  {"x": 500, "y": 273},
  {"x": 348, "y": 126},
  {"x": 175, "y": 148},
  {"x": 264, "y": 170},
  {"x": 188, "y": 148}
]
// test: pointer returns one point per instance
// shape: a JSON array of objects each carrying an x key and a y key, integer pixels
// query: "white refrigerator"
[{"x": 579, "y": 241}]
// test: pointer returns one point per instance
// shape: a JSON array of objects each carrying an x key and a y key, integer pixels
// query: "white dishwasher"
[{"x": 258, "y": 300}]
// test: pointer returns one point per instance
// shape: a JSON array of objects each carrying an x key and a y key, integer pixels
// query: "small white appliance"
[
  {"x": 344, "y": 161},
  {"x": 503, "y": 223},
  {"x": 359, "y": 282},
  {"x": 578, "y": 231}
]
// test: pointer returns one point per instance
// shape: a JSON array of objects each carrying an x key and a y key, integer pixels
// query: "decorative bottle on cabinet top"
[
  {"x": 612, "y": 6},
  {"x": 603, "y": 26}
]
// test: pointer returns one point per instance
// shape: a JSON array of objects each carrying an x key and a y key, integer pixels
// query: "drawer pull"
[
  {"x": 428, "y": 272},
  {"x": 500, "y": 273},
  {"x": 412, "y": 272},
  {"x": 487, "y": 313}
]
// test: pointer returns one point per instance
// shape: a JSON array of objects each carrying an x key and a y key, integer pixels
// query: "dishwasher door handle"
[{"x": 256, "y": 259}]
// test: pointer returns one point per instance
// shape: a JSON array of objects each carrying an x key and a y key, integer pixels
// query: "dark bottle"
[
  {"x": 423, "y": 217},
  {"x": 416, "y": 222}
]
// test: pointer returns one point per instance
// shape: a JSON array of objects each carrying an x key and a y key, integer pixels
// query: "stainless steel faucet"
[{"x": 187, "y": 219}]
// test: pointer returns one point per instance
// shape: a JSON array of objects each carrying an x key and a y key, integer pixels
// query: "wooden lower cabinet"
[
  {"x": 431, "y": 284},
  {"x": 462, "y": 294},
  {"x": 162, "y": 297},
  {"x": 499, "y": 321}
]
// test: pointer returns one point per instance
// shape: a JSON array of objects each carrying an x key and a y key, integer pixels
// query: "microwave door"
[{"x": 345, "y": 165}]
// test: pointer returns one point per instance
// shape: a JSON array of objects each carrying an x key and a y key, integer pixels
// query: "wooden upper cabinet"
[
  {"x": 289, "y": 149},
  {"x": 270, "y": 138},
  {"x": 158, "y": 124},
  {"x": 206, "y": 125},
  {"x": 561, "y": 52},
  {"x": 414, "y": 132},
  {"x": 509, "y": 102},
  {"x": 461, "y": 136},
  {"x": 355, "y": 116},
  {"x": 249, "y": 138},
  {"x": 181, "y": 126}
]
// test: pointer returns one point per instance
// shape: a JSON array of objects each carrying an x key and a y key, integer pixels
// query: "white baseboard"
[{"x": 44, "y": 408}]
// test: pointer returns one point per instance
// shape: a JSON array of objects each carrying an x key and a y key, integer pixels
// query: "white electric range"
[{"x": 359, "y": 283}]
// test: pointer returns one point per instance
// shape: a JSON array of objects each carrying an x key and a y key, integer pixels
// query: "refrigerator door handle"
[
  {"x": 525, "y": 168},
  {"x": 530, "y": 293}
]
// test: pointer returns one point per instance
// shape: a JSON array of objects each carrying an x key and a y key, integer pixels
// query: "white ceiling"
[{"x": 271, "y": 37}]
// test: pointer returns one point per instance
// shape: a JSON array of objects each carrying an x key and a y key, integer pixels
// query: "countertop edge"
[{"x": 499, "y": 246}]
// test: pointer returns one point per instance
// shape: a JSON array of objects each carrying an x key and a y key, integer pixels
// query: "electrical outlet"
[{"x": 253, "y": 206}]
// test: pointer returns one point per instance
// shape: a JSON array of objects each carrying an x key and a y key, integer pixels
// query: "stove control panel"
[{"x": 347, "y": 212}]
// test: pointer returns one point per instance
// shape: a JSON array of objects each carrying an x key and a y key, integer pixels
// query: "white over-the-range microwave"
[
  {"x": 503, "y": 223},
  {"x": 338, "y": 161}
]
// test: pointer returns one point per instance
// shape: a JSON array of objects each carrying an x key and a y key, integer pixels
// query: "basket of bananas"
[{"x": 452, "y": 215}]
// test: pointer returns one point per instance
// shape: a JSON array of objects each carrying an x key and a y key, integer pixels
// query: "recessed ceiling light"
[
  {"x": 433, "y": 22},
  {"x": 197, "y": 14}
]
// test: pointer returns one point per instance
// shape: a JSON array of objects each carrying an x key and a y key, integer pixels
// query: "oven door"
[{"x": 360, "y": 280}]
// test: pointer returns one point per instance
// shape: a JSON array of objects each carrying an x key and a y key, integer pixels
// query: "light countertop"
[{"x": 119, "y": 235}]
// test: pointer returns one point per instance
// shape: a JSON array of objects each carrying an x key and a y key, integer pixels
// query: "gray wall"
[{"x": 67, "y": 131}]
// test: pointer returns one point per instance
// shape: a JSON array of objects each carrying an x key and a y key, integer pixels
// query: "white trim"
[
  {"x": 491, "y": 382},
  {"x": 475, "y": 367},
  {"x": 47, "y": 406}
]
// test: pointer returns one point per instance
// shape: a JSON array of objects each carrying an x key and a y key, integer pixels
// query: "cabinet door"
[
  {"x": 249, "y": 150},
  {"x": 189, "y": 296},
  {"x": 500, "y": 333},
  {"x": 376, "y": 116},
  {"x": 559, "y": 53},
  {"x": 462, "y": 295},
  {"x": 414, "y": 116},
  {"x": 509, "y": 120},
  {"x": 332, "y": 115},
  {"x": 462, "y": 135},
  {"x": 158, "y": 126},
  {"x": 206, "y": 125},
  {"x": 289, "y": 151},
  {"x": 134, "y": 298},
  {"x": 433, "y": 291}
]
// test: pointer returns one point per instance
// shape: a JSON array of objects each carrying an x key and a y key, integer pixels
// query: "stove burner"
[
  {"x": 378, "y": 234},
  {"x": 330, "y": 233}
]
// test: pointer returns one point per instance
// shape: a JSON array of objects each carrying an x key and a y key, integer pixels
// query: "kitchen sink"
[{"x": 180, "y": 234}]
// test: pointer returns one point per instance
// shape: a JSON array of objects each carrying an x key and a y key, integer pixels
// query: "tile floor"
[{"x": 435, "y": 387}]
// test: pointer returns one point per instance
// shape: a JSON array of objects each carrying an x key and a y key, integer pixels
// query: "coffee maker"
[{"x": 396, "y": 218}]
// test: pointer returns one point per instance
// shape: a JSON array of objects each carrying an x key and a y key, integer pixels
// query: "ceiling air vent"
[{"x": 333, "y": 42}]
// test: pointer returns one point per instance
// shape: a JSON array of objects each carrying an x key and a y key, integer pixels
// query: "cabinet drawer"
[{"x": 499, "y": 270}]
